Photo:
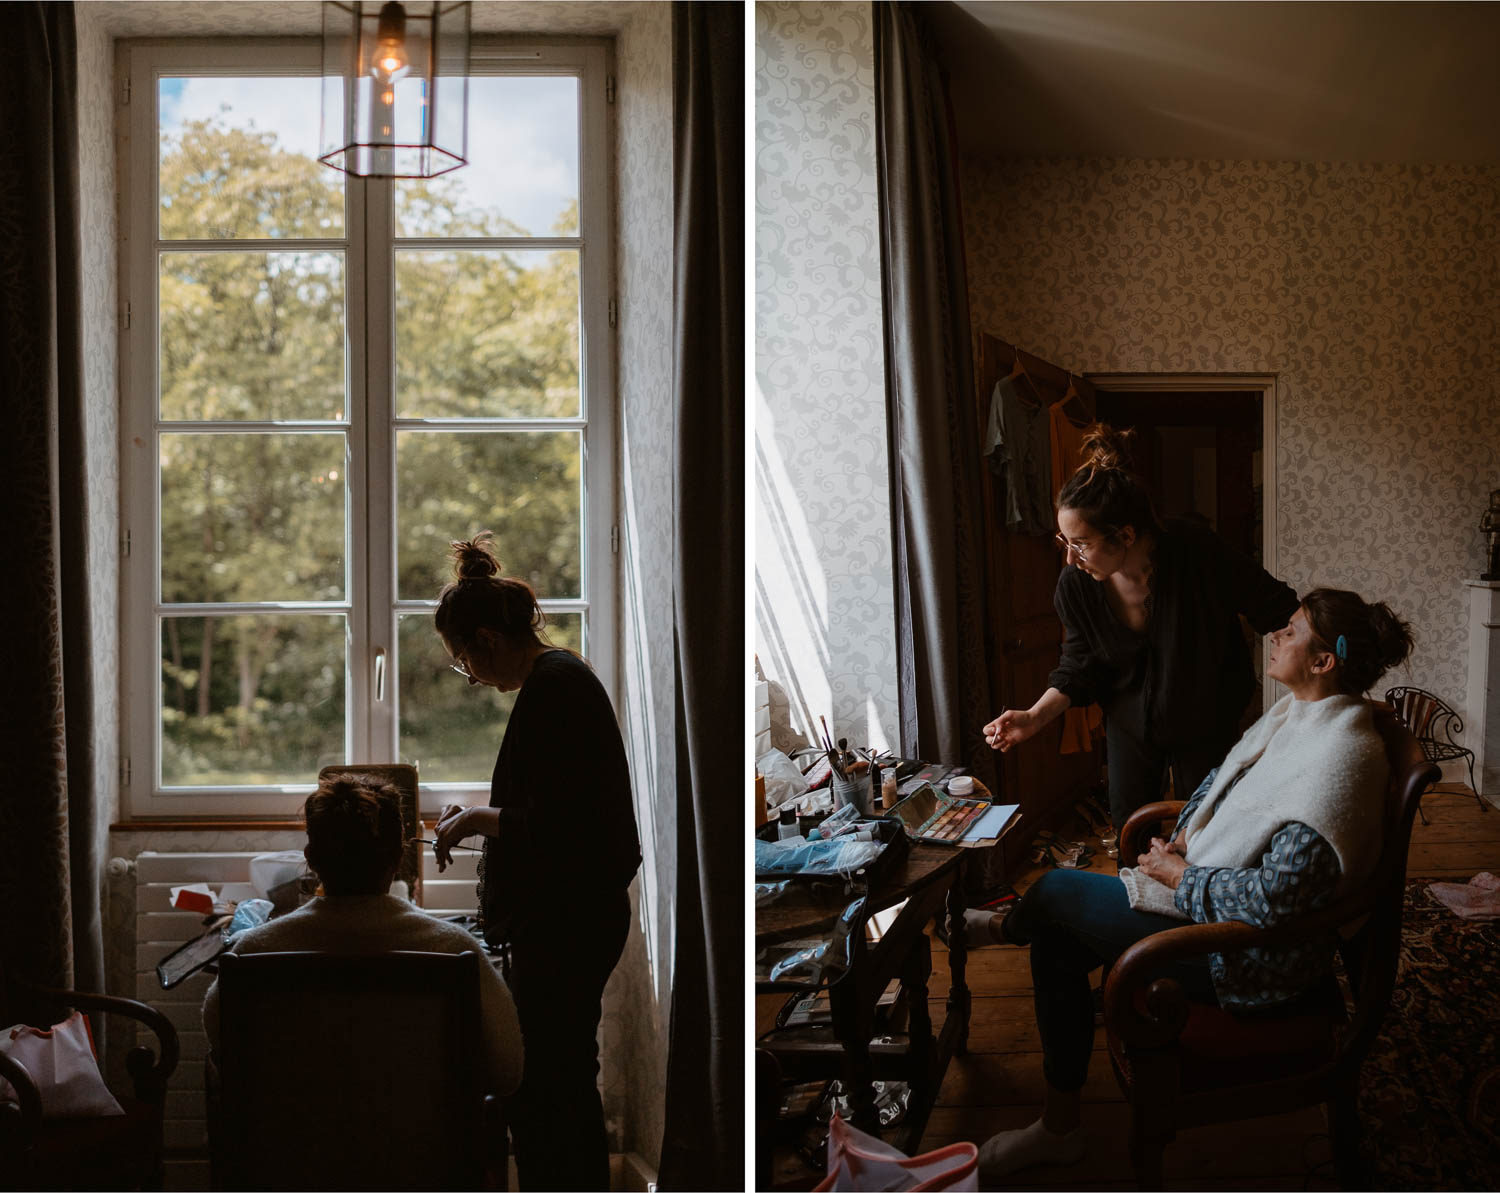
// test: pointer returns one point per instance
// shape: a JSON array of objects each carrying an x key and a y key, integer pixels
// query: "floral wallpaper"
[
  {"x": 96, "y": 167},
  {"x": 1371, "y": 291},
  {"x": 637, "y": 1004},
  {"x": 824, "y": 602}
]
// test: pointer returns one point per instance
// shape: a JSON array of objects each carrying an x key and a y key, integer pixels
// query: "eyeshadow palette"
[{"x": 928, "y": 814}]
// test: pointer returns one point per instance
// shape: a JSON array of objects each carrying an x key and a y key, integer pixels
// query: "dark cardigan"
[
  {"x": 567, "y": 821},
  {"x": 1187, "y": 677}
]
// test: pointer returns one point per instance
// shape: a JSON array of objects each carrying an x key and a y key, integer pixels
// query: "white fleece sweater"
[{"x": 1317, "y": 762}]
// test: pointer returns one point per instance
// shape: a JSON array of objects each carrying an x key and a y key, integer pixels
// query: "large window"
[{"x": 327, "y": 379}]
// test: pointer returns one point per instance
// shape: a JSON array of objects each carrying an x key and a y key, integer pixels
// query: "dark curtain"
[
  {"x": 50, "y": 870},
  {"x": 703, "y": 1144},
  {"x": 941, "y": 615}
]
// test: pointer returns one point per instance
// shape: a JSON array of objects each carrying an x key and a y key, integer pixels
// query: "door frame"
[{"x": 1266, "y": 384}]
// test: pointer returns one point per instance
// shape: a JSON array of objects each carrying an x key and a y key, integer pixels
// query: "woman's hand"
[
  {"x": 1165, "y": 862},
  {"x": 452, "y": 827},
  {"x": 1011, "y": 729}
]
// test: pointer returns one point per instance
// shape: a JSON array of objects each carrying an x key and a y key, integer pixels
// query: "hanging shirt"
[{"x": 1018, "y": 446}]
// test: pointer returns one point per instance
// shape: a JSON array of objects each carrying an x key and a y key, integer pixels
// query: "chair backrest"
[
  {"x": 1424, "y": 714},
  {"x": 1370, "y": 954},
  {"x": 350, "y": 1072}
]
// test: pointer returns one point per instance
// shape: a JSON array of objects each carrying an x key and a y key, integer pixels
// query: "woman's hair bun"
[
  {"x": 1375, "y": 638},
  {"x": 1106, "y": 447},
  {"x": 474, "y": 559},
  {"x": 1392, "y": 635}
]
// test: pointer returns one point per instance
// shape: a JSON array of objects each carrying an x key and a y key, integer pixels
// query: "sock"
[
  {"x": 1011, "y": 1150},
  {"x": 1003, "y": 929}
]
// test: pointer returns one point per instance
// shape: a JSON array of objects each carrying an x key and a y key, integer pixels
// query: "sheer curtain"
[
  {"x": 941, "y": 614},
  {"x": 703, "y": 1146},
  {"x": 50, "y": 862}
]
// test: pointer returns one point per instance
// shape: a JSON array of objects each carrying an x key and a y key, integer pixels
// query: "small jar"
[{"x": 787, "y": 828}]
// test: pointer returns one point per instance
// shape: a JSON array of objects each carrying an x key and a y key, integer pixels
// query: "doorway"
[{"x": 1206, "y": 448}]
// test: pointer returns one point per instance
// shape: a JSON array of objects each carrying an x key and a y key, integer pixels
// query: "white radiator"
[{"x": 159, "y": 930}]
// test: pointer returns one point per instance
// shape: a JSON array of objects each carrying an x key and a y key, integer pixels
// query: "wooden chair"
[
  {"x": 1185, "y": 1064},
  {"x": 340, "y": 1072},
  {"x": 1427, "y": 717},
  {"x": 114, "y": 1152}
]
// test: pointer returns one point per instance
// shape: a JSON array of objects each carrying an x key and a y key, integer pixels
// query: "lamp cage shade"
[{"x": 395, "y": 88}]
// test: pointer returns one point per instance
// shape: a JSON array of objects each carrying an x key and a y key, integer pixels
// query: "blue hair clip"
[{"x": 1341, "y": 648}]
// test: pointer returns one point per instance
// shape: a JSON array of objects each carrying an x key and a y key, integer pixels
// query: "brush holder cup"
[{"x": 856, "y": 790}]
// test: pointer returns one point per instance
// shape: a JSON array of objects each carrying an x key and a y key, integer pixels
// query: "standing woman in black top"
[
  {"x": 560, "y": 849},
  {"x": 1152, "y": 633}
]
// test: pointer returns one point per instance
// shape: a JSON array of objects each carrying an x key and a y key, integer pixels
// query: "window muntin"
[{"x": 303, "y": 468}]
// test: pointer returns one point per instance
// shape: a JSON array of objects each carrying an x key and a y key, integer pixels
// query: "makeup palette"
[{"x": 931, "y": 815}]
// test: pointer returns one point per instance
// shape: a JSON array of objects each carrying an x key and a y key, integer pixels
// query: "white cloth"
[
  {"x": 360, "y": 925},
  {"x": 1317, "y": 762}
]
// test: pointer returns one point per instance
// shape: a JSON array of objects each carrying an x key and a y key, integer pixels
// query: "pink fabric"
[{"x": 1478, "y": 899}]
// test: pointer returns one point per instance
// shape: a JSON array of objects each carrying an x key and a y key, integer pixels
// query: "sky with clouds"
[{"x": 523, "y": 133}]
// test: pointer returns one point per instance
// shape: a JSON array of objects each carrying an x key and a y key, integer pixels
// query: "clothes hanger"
[
  {"x": 1072, "y": 395},
  {"x": 1018, "y": 370}
]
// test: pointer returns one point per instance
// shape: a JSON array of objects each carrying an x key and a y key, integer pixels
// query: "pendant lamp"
[{"x": 395, "y": 88}]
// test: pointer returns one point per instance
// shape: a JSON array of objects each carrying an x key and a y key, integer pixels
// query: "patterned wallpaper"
[
  {"x": 824, "y": 605},
  {"x": 1372, "y": 291},
  {"x": 96, "y": 172},
  {"x": 638, "y": 1000}
]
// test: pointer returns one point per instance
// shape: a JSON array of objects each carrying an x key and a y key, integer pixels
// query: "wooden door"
[{"x": 1024, "y": 637}]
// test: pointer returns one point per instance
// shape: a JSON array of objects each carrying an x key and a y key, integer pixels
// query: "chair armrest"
[
  {"x": 149, "y": 1070},
  {"x": 1139, "y": 967},
  {"x": 1145, "y": 823},
  {"x": 26, "y": 1110}
]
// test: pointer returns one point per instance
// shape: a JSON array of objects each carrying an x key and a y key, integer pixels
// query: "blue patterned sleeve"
[
  {"x": 1192, "y": 805},
  {"x": 1296, "y": 875}
]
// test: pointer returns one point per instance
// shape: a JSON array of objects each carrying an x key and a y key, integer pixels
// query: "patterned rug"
[{"x": 1430, "y": 1090}]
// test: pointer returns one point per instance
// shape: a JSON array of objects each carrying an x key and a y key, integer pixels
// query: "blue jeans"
[{"x": 1076, "y": 921}]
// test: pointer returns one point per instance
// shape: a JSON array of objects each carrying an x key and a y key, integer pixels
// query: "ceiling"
[
  {"x": 1374, "y": 82},
  {"x": 259, "y": 18}
]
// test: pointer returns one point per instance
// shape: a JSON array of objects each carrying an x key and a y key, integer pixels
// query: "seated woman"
[
  {"x": 1279, "y": 829},
  {"x": 354, "y": 846}
]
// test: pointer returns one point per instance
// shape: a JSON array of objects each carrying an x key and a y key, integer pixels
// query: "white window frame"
[{"x": 371, "y": 428}]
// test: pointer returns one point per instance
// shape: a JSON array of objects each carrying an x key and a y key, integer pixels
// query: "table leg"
[
  {"x": 914, "y": 975},
  {"x": 958, "y": 954},
  {"x": 853, "y": 1026}
]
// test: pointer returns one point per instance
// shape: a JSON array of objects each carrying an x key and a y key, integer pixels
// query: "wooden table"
[{"x": 931, "y": 883}]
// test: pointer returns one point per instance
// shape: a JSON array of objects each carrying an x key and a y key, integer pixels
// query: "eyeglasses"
[
  {"x": 1078, "y": 549},
  {"x": 461, "y": 666}
]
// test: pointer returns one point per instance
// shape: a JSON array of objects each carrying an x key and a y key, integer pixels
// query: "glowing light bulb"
[{"x": 389, "y": 62}]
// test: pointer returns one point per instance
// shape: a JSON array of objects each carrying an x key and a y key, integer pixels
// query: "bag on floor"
[
  {"x": 60, "y": 1062},
  {"x": 860, "y": 1161}
]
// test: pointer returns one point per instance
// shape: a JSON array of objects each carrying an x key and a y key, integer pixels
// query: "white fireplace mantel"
[{"x": 1482, "y": 722}]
